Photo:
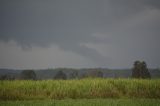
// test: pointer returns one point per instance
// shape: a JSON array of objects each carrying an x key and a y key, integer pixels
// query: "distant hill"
[{"x": 50, "y": 73}]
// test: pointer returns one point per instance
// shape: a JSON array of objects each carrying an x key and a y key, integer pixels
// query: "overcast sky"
[{"x": 79, "y": 33}]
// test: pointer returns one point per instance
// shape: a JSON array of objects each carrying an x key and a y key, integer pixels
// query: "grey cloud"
[
  {"x": 45, "y": 22},
  {"x": 70, "y": 23}
]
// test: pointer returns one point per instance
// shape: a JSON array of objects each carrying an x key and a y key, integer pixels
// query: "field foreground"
[
  {"x": 79, "y": 89},
  {"x": 85, "y": 102}
]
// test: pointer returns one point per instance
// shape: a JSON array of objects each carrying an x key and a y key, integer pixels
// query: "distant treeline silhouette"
[{"x": 139, "y": 70}]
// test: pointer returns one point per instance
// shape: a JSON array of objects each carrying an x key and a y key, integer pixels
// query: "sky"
[{"x": 39, "y": 34}]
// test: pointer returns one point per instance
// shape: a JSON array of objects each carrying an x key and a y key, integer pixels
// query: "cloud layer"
[{"x": 80, "y": 26}]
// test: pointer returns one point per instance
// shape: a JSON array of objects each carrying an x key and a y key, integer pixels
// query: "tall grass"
[
  {"x": 84, "y": 102},
  {"x": 76, "y": 89}
]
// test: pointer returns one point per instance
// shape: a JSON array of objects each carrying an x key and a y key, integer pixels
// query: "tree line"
[{"x": 139, "y": 70}]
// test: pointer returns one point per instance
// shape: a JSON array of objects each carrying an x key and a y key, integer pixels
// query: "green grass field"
[
  {"x": 84, "y": 102},
  {"x": 90, "y": 92},
  {"x": 79, "y": 89}
]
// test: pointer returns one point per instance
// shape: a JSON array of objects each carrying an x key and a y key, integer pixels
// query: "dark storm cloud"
[
  {"x": 70, "y": 23},
  {"x": 41, "y": 22}
]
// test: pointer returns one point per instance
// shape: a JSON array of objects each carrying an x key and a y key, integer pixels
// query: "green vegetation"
[
  {"x": 85, "y": 102},
  {"x": 28, "y": 74},
  {"x": 60, "y": 75},
  {"x": 78, "y": 89},
  {"x": 140, "y": 70}
]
